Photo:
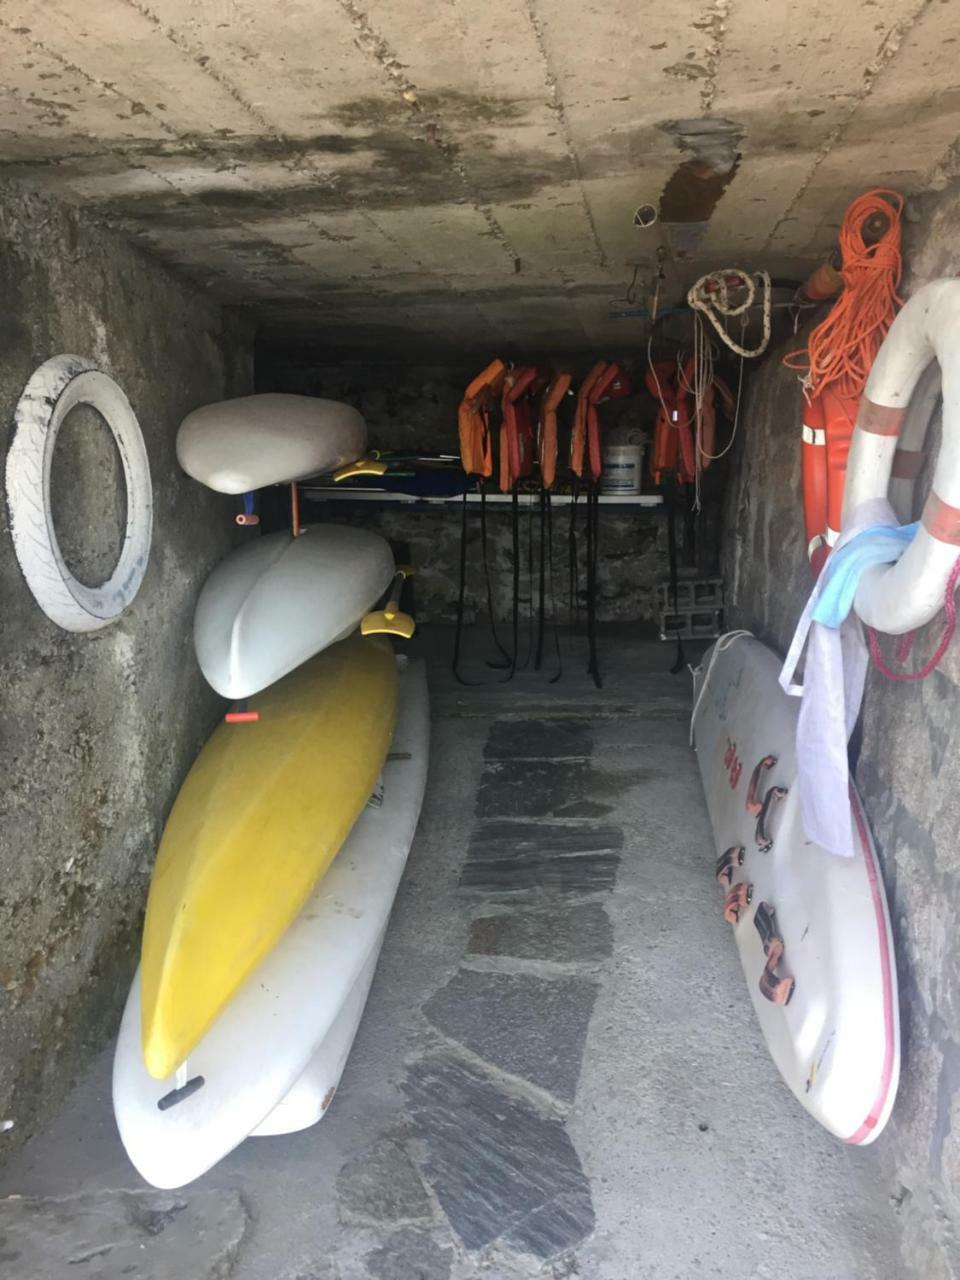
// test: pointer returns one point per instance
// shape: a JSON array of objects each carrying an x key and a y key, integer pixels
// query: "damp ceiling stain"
[{"x": 449, "y": 162}]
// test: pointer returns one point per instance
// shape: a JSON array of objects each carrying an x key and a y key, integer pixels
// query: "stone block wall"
[
  {"x": 908, "y": 771},
  {"x": 98, "y": 729}
]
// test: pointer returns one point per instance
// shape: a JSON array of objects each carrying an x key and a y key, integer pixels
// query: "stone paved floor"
[{"x": 558, "y": 1072}]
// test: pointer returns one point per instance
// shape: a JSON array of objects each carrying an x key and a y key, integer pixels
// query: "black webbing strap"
[
  {"x": 553, "y": 601},
  {"x": 593, "y": 534},
  {"x": 500, "y": 666},
  {"x": 542, "y": 600},
  {"x": 515, "y": 534},
  {"x": 670, "y": 497},
  {"x": 572, "y": 566},
  {"x": 458, "y": 634}
]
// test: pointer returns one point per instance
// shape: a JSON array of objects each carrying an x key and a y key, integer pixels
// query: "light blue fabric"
[{"x": 877, "y": 544}]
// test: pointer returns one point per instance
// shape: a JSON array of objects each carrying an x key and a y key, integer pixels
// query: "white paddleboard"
[
  {"x": 836, "y": 1039},
  {"x": 309, "y": 1098},
  {"x": 237, "y": 445},
  {"x": 274, "y": 603},
  {"x": 299, "y": 1011}
]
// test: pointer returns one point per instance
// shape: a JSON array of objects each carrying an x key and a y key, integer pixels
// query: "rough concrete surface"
[
  {"x": 146, "y": 1235},
  {"x": 396, "y": 173},
  {"x": 98, "y": 729},
  {"x": 678, "y": 1152},
  {"x": 908, "y": 771}
]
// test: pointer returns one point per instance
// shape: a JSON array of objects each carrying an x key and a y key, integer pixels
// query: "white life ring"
[
  {"x": 900, "y": 597},
  {"x": 56, "y": 387}
]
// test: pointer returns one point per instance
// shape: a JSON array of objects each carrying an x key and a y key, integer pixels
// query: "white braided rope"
[{"x": 711, "y": 297}]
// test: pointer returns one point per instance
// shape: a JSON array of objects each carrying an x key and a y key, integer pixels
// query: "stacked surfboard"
[{"x": 282, "y": 854}]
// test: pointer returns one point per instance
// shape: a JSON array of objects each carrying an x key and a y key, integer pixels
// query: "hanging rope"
[
  {"x": 905, "y": 642},
  {"x": 842, "y": 349},
  {"x": 710, "y": 296}
]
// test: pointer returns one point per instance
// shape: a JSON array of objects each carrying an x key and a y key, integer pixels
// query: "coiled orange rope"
[{"x": 842, "y": 348}]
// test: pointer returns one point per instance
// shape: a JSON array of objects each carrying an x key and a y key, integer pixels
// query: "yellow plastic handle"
[
  {"x": 388, "y": 622},
  {"x": 362, "y": 467}
]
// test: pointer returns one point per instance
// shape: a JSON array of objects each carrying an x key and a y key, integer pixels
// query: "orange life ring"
[{"x": 814, "y": 470}]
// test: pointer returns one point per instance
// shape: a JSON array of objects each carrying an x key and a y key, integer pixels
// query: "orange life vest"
[
  {"x": 612, "y": 384},
  {"x": 557, "y": 388},
  {"x": 578, "y": 438},
  {"x": 516, "y": 426},
  {"x": 473, "y": 418}
]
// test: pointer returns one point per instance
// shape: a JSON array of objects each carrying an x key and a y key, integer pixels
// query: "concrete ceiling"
[{"x": 427, "y": 174}]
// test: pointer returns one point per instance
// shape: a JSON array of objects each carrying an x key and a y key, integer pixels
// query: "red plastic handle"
[{"x": 754, "y": 803}]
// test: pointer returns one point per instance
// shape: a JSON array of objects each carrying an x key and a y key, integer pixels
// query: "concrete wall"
[
  {"x": 97, "y": 729},
  {"x": 908, "y": 772}
]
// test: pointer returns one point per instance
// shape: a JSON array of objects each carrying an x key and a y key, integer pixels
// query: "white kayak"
[
  {"x": 274, "y": 603},
  {"x": 288, "y": 1031},
  {"x": 234, "y": 446},
  {"x": 812, "y": 928}
]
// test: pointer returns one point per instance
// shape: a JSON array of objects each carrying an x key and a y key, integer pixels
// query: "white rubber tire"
[{"x": 56, "y": 387}]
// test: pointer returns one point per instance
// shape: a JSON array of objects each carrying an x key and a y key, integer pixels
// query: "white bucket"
[{"x": 621, "y": 468}]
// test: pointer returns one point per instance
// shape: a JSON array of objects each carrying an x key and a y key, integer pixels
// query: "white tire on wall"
[{"x": 55, "y": 388}]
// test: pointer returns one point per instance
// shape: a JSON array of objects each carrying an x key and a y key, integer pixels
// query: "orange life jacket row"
[{"x": 520, "y": 391}]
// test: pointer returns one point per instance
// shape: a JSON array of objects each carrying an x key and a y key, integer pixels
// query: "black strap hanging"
[
  {"x": 515, "y": 533},
  {"x": 553, "y": 603},
  {"x": 572, "y": 565},
  {"x": 499, "y": 666},
  {"x": 458, "y": 634},
  {"x": 670, "y": 498},
  {"x": 542, "y": 600},
  {"x": 593, "y": 536}
]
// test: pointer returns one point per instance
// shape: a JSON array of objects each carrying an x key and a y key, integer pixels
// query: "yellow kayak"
[{"x": 259, "y": 818}]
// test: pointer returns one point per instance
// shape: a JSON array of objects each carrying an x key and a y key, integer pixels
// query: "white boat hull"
[
  {"x": 837, "y": 1041},
  {"x": 238, "y": 445},
  {"x": 290, "y": 1026},
  {"x": 274, "y": 603}
]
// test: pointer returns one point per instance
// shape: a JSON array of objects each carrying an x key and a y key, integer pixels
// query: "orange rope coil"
[{"x": 842, "y": 348}]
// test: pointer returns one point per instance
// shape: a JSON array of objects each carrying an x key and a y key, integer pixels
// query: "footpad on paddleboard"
[{"x": 180, "y": 1095}]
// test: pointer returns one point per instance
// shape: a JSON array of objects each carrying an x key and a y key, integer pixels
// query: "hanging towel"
[
  {"x": 875, "y": 544},
  {"x": 835, "y": 671}
]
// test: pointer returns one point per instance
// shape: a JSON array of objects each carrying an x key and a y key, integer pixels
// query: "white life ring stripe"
[
  {"x": 55, "y": 388},
  {"x": 900, "y": 597}
]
